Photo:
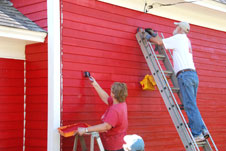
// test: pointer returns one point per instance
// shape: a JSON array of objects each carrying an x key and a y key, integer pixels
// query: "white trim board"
[
  {"x": 197, "y": 14},
  {"x": 54, "y": 76},
  {"x": 22, "y": 34}
]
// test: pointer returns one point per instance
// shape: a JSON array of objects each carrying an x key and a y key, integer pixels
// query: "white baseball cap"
[
  {"x": 134, "y": 142},
  {"x": 184, "y": 25}
]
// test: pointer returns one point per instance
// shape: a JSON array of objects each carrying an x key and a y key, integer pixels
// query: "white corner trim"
[
  {"x": 22, "y": 34},
  {"x": 54, "y": 73}
]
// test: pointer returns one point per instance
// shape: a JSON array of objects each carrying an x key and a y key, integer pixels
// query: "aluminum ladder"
[
  {"x": 167, "y": 91},
  {"x": 93, "y": 135}
]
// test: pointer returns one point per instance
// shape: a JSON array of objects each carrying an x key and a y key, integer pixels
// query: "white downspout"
[{"x": 54, "y": 70}]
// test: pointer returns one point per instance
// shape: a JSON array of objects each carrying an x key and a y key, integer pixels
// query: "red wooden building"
[{"x": 45, "y": 88}]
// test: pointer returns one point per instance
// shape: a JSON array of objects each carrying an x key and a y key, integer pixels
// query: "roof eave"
[{"x": 21, "y": 34}]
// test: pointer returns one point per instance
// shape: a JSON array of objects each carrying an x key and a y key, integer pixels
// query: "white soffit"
[
  {"x": 205, "y": 13},
  {"x": 210, "y": 4}
]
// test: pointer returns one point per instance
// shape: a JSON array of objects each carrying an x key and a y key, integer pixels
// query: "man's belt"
[{"x": 181, "y": 71}]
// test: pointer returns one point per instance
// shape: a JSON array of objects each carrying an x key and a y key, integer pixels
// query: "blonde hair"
[{"x": 120, "y": 91}]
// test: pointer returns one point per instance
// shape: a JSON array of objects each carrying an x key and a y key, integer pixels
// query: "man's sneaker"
[
  {"x": 199, "y": 138},
  {"x": 206, "y": 133}
]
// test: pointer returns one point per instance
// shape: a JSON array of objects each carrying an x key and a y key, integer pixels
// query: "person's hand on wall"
[{"x": 93, "y": 81}]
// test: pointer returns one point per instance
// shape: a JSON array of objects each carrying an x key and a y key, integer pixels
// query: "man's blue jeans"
[{"x": 188, "y": 83}]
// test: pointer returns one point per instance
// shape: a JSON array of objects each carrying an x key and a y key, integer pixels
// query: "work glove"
[
  {"x": 151, "y": 32},
  {"x": 146, "y": 34}
]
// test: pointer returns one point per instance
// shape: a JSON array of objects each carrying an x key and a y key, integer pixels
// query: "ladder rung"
[
  {"x": 175, "y": 89},
  {"x": 202, "y": 143},
  {"x": 160, "y": 57},
  {"x": 168, "y": 73}
]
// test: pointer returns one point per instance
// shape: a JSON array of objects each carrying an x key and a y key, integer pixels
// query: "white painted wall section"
[
  {"x": 12, "y": 49},
  {"x": 54, "y": 70}
]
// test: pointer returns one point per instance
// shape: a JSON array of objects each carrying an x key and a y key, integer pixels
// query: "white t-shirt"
[{"x": 182, "y": 51}]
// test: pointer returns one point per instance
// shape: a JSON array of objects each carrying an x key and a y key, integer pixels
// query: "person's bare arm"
[
  {"x": 157, "y": 40},
  {"x": 103, "y": 95},
  {"x": 96, "y": 128}
]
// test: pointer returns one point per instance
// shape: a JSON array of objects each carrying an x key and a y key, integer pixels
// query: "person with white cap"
[
  {"x": 133, "y": 143},
  {"x": 186, "y": 74}
]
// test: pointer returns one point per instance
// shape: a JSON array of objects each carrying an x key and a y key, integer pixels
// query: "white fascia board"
[
  {"x": 54, "y": 74},
  {"x": 22, "y": 34}
]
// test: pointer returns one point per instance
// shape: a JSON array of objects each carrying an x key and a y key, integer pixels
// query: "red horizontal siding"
[
  {"x": 36, "y": 97},
  {"x": 100, "y": 38},
  {"x": 36, "y": 10},
  {"x": 36, "y": 78},
  {"x": 11, "y": 104},
  {"x": 12, "y": 144}
]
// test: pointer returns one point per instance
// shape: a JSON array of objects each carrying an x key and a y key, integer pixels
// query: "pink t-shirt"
[{"x": 116, "y": 115}]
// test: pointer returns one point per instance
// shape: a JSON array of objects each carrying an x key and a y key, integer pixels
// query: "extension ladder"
[
  {"x": 93, "y": 135},
  {"x": 166, "y": 91}
]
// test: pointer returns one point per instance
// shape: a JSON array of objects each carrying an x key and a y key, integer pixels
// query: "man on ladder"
[{"x": 185, "y": 73}]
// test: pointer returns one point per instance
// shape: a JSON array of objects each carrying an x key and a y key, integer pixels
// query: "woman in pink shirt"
[{"x": 115, "y": 119}]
